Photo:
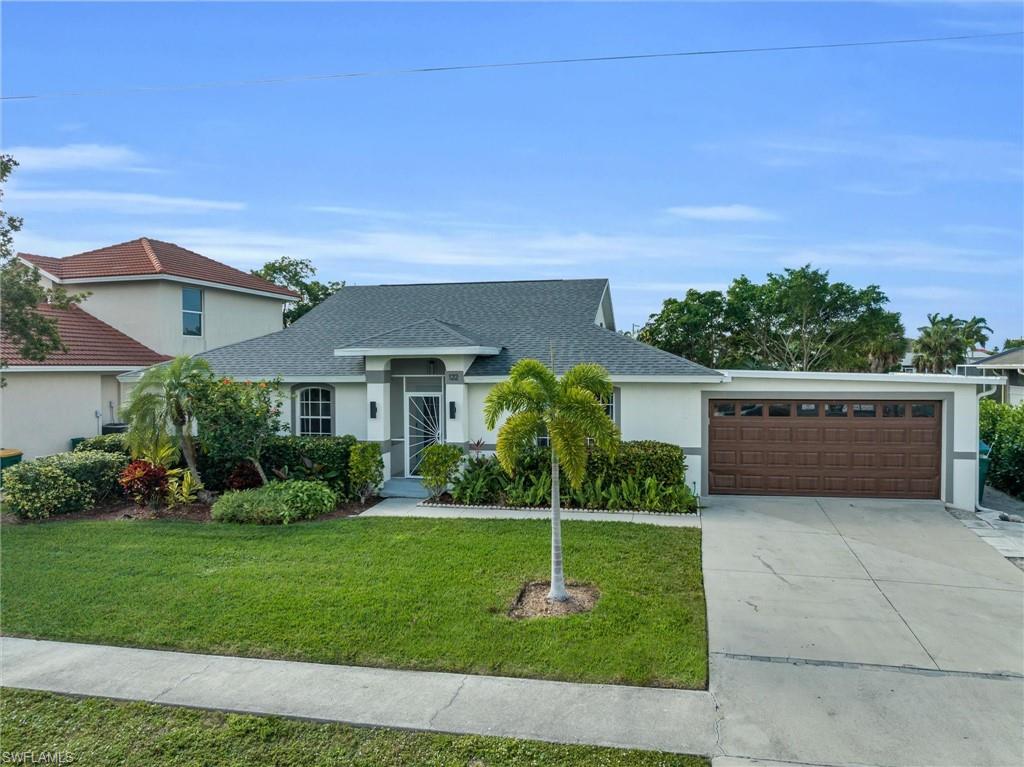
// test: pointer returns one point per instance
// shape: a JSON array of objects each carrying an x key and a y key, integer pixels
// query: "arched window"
[{"x": 315, "y": 412}]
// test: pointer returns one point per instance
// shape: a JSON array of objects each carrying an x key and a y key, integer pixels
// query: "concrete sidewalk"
[
  {"x": 410, "y": 507},
  {"x": 682, "y": 721}
]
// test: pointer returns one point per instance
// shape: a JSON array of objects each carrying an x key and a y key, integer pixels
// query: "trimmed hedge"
[
  {"x": 1002, "y": 428},
  {"x": 277, "y": 503},
  {"x": 36, "y": 490},
  {"x": 108, "y": 443},
  {"x": 96, "y": 470}
]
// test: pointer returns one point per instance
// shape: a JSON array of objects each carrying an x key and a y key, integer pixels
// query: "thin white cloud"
[
  {"x": 883, "y": 257},
  {"x": 344, "y": 210},
  {"x": 125, "y": 203},
  {"x": 734, "y": 212},
  {"x": 932, "y": 293},
  {"x": 77, "y": 157},
  {"x": 877, "y": 190}
]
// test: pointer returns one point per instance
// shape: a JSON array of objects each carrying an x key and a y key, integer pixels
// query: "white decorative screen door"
[{"x": 424, "y": 427}]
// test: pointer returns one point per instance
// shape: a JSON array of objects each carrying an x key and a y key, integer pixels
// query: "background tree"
[
  {"x": 943, "y": 343},
  {"x": 33, "y": 335},
  {"x": 298, "y": 274},
  {"x": 797, "y": 320},
  {"x": 1012, "y": 343},
  {"x": 163, "y": 402},
  {"x": 693, "y": 328},
  {"x": 568, "y": 410}
]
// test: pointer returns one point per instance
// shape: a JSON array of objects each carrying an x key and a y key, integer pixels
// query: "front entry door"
[{"x": 423, "y": 427}]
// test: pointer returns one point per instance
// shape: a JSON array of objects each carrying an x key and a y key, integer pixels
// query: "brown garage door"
[{"x": 843, "y": 447}]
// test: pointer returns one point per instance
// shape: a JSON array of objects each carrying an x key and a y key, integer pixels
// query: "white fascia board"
[
  {"x": 680, "y": 379},
  {"x": 893, "y": 378},
  {"x": 175, "y": 278},
  {"x": 46, "y": 274},
  {"x": 68, "y": 368},
  {"x": 415, "y": 351}
]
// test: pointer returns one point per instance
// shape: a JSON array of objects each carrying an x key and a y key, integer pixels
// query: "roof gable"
[{"x": 148, "y": 257}]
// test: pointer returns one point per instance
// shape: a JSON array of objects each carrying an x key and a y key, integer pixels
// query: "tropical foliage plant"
[
  {"x": 145, "y": 482},
  {"x": 163, "y": 403},
  {"x": 569, "y": 411}
]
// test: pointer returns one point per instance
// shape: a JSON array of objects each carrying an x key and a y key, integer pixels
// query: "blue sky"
[{"x": 899, "y": 166}]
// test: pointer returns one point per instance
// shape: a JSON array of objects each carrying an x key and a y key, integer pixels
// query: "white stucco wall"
[
  {"x": 40, "y": 412},
  {"x": 150, "y": 312}
]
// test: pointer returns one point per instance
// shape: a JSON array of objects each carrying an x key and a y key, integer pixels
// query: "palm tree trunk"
[
  {"x": 557, "y": 592},
  {"x": 188, "y": 449}
]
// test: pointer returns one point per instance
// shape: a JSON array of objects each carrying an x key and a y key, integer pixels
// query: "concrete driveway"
[{"x": 862, "y": 632}]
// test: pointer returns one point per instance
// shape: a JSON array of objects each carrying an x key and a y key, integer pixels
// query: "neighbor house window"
[
  {"x": 191, "y": 311},
  {"x": 316, "y": 412}
]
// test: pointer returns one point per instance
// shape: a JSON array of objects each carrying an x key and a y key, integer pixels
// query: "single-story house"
[{"x": 410, "y": 365}]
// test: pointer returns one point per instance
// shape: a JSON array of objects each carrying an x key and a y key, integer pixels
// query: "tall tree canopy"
[
  {"x": 797, "y": 320},
  {"x": 298, "y": 274},
  {"x": 33, "y": 335},
  {"x": 943, "y": 343}
]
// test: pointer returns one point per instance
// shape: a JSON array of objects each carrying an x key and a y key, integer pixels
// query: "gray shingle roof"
[
  {"x": 541, "y": 319},
  {"x": 428, "y": 332}
]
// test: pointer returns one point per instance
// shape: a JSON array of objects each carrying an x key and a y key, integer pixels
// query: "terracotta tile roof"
[
  {"x": 90, "y": 342},
  {"x": 145, "y": 256}
]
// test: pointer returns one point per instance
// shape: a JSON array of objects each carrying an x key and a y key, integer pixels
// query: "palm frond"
[
  {"x": 582, "y": 408},
  {"x": 589, "y": 376},
  {"x": 505, "y": 397},
  {"x": 536, "y": 371},
  {"x": 569, "y": 443},
  {"x": 518, "y": 434}
]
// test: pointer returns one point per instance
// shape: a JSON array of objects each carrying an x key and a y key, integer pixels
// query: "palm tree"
[
  {"x": 944, "y": 342},
  {"x": 161, "y": 402},
  {"x": 976, "y": 331},
  {"x": 569, "y": 411}
]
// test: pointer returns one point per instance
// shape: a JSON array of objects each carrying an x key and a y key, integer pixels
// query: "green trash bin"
[
  {"x": 984, "y": 453},
  {"x": 8, "y": 457}
]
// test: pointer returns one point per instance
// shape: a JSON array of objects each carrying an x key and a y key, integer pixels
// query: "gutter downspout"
[{"x": 977, "y": 505}]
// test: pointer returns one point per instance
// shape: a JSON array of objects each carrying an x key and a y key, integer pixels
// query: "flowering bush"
[
  {"x": 145, "y": 482},
  {"x": 36, "y": 489},
  {"x": 236, "y": 419}
]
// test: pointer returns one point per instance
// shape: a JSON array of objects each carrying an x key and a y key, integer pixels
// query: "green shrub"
[
  {"x": 37, "y": 489},
  {"x": 1002, "y": 427},
  {"x": 365, "y": 470},
  {"x": 97, "y": 471},
  {"x": 641, "y": 459},
  {"x": 277, "y": 503},
  {"x": 481, "y": 482},
  {"x": 439, "y": 466},
  {"x": 644, "y": 475},
  {"x": 329, "y": 456},
  {"x": 108, "y": 443}
]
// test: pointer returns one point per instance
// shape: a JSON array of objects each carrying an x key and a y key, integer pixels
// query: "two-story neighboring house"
[{"x": 148, "y": 301}]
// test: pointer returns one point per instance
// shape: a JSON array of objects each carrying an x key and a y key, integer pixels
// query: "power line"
[{"x": 497, "y": 65}]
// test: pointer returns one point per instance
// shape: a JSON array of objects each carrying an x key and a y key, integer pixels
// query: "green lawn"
[
  {"x": 402, "y": 593},
  {"x": 101, "y": 732}
]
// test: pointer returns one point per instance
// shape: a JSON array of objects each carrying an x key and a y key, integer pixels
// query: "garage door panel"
[{"x": 836, "y": 447}]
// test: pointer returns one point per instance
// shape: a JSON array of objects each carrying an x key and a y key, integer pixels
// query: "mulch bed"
[
  {"x": 533, "y": 601},
  {"x": 195, "y": 512}
]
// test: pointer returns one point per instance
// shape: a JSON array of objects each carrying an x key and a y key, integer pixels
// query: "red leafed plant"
[{"x": 145, "y": 482}]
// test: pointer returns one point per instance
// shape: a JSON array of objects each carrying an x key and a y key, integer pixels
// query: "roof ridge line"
[{"x": 151, "y": 254}]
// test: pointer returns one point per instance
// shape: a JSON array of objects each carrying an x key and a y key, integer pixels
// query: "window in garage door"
[{"x": 839, "y": 447}]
